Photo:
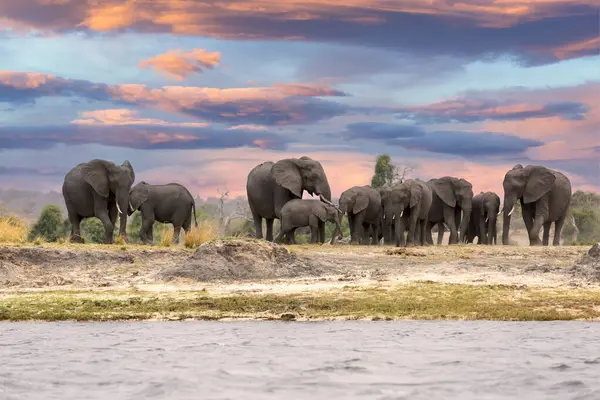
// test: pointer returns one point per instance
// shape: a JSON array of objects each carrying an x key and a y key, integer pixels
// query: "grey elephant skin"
[
  {"x": 385, "y": 233},
  {"x": 451, "y": 204},
  {"x": 298, "y": 213},
  {"x": 98, "y": 188},
  {"x": 271, "y": 185},
  {"x": 362, "y": 204},
  {"x": 545, "y": 197},
  {"x": 408, "y": 204},
  {"x": 484, "y": 219},
  {"x": 169, "y": 203}
]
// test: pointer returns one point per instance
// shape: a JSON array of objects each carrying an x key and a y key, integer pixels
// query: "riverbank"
[{"x": 249, "y": 279}]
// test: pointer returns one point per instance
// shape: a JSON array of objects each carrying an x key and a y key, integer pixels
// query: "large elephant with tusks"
[
  {"x": 98, "y": 188},
  {"x": 545, "y": 197},
  {"x": 271, "y": 185}
]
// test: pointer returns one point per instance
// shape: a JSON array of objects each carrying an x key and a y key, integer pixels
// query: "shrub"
[
  {"x": 205, "y": 232},
  {"x": 12, "y": 229},
  {"x": 49, "y": 225},
  {"x": 92, "y": 230}
]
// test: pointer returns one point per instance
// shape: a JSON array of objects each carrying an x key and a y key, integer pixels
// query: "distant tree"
[
  {"x": 49, "y": 225},
  {"x": 387, "y": 173}
]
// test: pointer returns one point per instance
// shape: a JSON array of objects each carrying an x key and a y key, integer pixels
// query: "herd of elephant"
[{"x": 403, "y": 214}]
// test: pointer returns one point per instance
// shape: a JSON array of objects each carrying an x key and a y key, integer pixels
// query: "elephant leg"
[
  {"x": 75, "y": 221},
  {"x": 558, "y": 225},
  {"x": 270, "y": 229},
  {"x": 146, "y": 234},
  {"x": 322, "y": 232},
  {"x": 365, "y": 233},
  {"x": 292, "y": 235},
  {"x": 280, "y": 236},
  {"x": 440, "y": 237},
  {"x": 176, "y": 233},
  {"x": 546, "y": 236},
  {"x": 375, "y": 234},
  {"x": 412, "y": 226},
  {"x": 101, "y": 212},
  {"x": 358, "y": 228},
  {"x": 449, "y": 215},
  {"x": 428, "y": 235},
  {"x": 528, "y": 217},
  {"x": 257, "y": 225}
]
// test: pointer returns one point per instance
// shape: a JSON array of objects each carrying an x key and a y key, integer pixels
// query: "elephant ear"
[
  {"x": 95, "y": 173},
  {"x": 445, "y": 190},
  {"x": 320, "y": 212},
  {"x": 540, "y": 182},
  {"x": 287, "y": 175},
  {"x": 362, "y": 201},
  {"x": 416, "y": 191},
  {"x": 139, "y": 195}
]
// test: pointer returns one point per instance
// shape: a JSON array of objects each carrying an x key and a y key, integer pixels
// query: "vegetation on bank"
[{"x": 423, "y": 300}]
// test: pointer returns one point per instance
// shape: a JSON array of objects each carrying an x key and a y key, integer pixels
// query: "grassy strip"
[{"x": 415, "y": 301}]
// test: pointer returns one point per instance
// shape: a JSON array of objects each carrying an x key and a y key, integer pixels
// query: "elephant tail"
[{"x": 194, "y": 211}]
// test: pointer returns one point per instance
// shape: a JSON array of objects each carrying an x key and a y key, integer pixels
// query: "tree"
[
  {"x": 49, "y": 225},
  {"x": 387, "y": 173}
]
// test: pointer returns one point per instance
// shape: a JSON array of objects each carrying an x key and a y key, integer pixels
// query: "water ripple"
[{"x": 273, "y": 360}]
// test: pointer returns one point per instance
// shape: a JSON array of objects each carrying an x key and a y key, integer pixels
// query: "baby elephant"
[
  {"x": 170, "y": 203},
  {"x": 297, "y": 213}
]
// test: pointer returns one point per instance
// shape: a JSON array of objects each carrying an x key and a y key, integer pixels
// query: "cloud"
[
  {"x": 280, "y": 104},
  {"x": 457, "y": 143},
  {"x": 380, "y": 130},
  {"x": 467, "y": 110},
  {"x": 468, "y": 144},
  {"x": 29, "y": 171},
  {"x": 146, "y": 137},
  {"x": 464, "y": 28},
  {"x": 122, "y": 116},
  {"x": 179, "y": 65}
]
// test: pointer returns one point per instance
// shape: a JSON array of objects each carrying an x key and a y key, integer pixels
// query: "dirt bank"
[{"x": 234, "y": 265}]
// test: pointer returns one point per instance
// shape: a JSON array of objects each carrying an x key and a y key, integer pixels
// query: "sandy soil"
[{"x": 237, "y": 266}]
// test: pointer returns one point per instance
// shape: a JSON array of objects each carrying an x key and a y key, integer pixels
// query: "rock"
[
  {"x": 594, "y": 252},
  {"x": 288, "y": 317}
]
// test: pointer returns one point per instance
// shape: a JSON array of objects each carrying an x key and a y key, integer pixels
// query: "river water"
[{"x": 294, "y": 360}]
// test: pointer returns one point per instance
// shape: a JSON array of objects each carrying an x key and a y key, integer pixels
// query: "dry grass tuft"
[
  {"x": 13, "y": 229},
  {"x": 166, "y": 239},
  {"x": 205, "y": 232}
]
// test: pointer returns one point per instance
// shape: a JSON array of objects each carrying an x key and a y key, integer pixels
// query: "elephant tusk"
[
  {"x": 501, "y": 209},
  {"x": 487, "y": 219},
  {"x": 119, "y": 208},
  {"x": 401, "y": 213},
  {"x": 131, "y": 207},
  {"x": 511, "y": 210}
]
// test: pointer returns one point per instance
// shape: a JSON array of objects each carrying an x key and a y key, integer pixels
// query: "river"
[{"x": 294, "y": 360}]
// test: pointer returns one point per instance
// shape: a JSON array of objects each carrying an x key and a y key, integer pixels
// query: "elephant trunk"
[
  {"x": 464, "y": 223},
  {"x": 509, "y": 205},
  {"x": 325, "y": 191},
  {"x": 337, "y": 233},
  {"x": 388, "y": 233},
  {"x": 123, "y": 206}
]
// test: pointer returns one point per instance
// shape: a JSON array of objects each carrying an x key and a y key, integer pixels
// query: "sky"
[{"x": 200, "y": 92}]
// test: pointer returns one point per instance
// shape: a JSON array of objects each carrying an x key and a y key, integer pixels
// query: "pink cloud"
[{"x": 179, "y": 65}]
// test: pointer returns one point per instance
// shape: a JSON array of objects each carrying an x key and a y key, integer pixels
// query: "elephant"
[
  {"x": 98, "y": 188},
  {"x": 270, "y": 186},
  {"x": 450, "y": 197},
  {"x": 484, "y": 218},
  {"x": 169, "y": 203},
  {"x": 362, "y": 204},
  {"x": 298, "y": 213},
  {"x": 545, "y": 197},
  {"x": 408, "y": 204}
]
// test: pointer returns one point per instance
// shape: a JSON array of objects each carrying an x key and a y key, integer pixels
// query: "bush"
[
  {"x": 12, "y": 229},
  {"x": 92, "y": 230},
  {"x": 205, "y": 232},
  {"x": 50, "y": 225}
]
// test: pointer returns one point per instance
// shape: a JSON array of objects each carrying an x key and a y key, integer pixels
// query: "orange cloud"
[
  {"x": 179, "y": 65},
  {"x": 587, "y": 46},
  {"x": 123, "y": 116}
]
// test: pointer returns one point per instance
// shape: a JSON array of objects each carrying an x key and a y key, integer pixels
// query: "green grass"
[{"x": 422, "y": 300}]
